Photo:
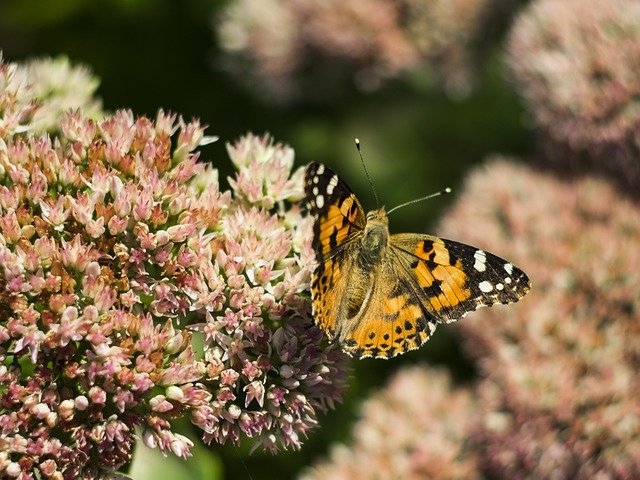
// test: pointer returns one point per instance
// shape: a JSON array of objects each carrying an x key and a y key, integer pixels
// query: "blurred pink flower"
[
  {"x": 415, "y": 427},
  {"x": 577, "y": 65},
  {"x": 305, "y": 47},
  {"x": 58, "y": 87},
  {"x": 559, "y": 389},
  {"x": 116, "y": 248},
  {"x": 35, "y": 95}
]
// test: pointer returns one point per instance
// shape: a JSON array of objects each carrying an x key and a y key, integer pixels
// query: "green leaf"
[{"x": 150, "y": 464}]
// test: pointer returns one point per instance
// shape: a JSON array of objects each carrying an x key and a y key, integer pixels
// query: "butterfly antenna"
[
  {"x": 437, "y": 194},
  {"x": 366, "y": 172}
]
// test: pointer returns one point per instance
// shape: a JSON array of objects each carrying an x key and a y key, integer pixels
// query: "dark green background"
[{"x": 164, "y": 54}]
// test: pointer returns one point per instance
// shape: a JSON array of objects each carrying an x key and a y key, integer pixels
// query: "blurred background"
[{"x": 427, "y": 86}]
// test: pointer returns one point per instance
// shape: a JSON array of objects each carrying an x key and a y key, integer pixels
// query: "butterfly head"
[{"x": 378, "y": 217}]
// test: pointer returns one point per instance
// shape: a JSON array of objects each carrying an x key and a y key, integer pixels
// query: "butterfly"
[{"x": 380, "y": 295}]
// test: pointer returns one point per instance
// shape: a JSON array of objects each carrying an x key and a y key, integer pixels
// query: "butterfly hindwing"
[
  {"x": 392, "y": 319},
  {"x": 455, "y": 279}
]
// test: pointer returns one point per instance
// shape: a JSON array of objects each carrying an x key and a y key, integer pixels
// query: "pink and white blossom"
[{"x": 117, "y": 248}]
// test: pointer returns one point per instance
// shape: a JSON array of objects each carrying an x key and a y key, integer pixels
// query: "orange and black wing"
[
  {"x": 453, "y": 279},
  {"x": 338, "y": 216},
  {"x": 392, "y": 318},
  {"x": 338, "y": 221},
  {"x": 424, "y": 281}
]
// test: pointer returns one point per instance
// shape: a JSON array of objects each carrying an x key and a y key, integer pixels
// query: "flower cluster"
[
  {"x": 286, "y": 45},
  {"x": 577, "y": 65},
  {"x": 268, "y": 365},
  {"x": 448, "y": 37},
  {"x": 59, "y": 86},
  {"x": 559, "y": 389},
  {"x": 117, "y": 249},
  {"x": 415, "y": 427},
  {"x": 34, "y": 95}
]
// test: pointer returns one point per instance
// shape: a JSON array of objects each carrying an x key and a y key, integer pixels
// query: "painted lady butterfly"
[{"x": 381, "y": 295}]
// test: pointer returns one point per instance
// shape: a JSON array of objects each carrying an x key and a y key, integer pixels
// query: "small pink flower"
[
  {"x": 254, "y": 391},
  {"x": 160, "y": 404}
]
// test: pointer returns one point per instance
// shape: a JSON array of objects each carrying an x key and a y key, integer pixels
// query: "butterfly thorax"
[{"x": 375, "y": 238}]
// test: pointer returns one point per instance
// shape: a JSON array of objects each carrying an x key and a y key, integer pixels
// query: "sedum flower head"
[
  {"x": 286, "y": 46},
  {"x": 559, "y": 390},
  {"x": 577, "y": 65},
  {"x": 35, "y": 95},
  {"x": 59, "y": 86},
  {"x": 117, "y": 249},
  {"x": 17, "y": 103},
  {"x": 267, "y": 362},
  {"x": 415, "y": 427},
  {"x": 449, "y": 36}
]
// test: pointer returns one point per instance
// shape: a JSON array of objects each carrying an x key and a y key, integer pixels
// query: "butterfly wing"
[
  {"x": 391, "y": 319},
  {"x": 393, "y": 306},
  {"x": 453, "y": 279},
  {"x": 425, "y": 280},
  {"x": 338, "y": 221},
  {"x": 338, "y": 215}
]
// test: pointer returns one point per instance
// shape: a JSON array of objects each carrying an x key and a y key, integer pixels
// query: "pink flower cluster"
[
  {"x": 577, "y": 65},
  {"x": 287, "y": 46},
  {"x": 416, "y": 427},
  {"x": 558, "y": 396},
  {"x": 35, "y": 94},
  {"x": 269, "y": 365},
  {"x": 117, "y": 250}
]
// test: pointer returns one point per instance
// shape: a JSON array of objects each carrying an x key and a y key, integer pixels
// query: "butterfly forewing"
[
  {"x": 339, "y": 219},
  {"x": 454, "y": 279},
  {"x": 338, "y": 214}
]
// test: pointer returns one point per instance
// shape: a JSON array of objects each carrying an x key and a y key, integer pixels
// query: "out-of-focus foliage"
[
  {"x": 148, "y": 463},
  {"x": 558, "y": 392},
  {"x": 416, "y": 427}
]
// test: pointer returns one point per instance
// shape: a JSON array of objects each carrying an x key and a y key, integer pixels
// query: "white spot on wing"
[
  {"x": 507, "y": 280},
  {"x": 319, "y": 201},
  {"x": 481, "y": 260},
  {"x": 315, "y": 190},
  {"x": 509, "y": 268},
  {"x": 320, "y": 170},
  {"x": 332, "y": 184},
  {"x": 499, "y": 286},
  {"x": 316, "y": 179},
  {"x": 485, "y": 286}
]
